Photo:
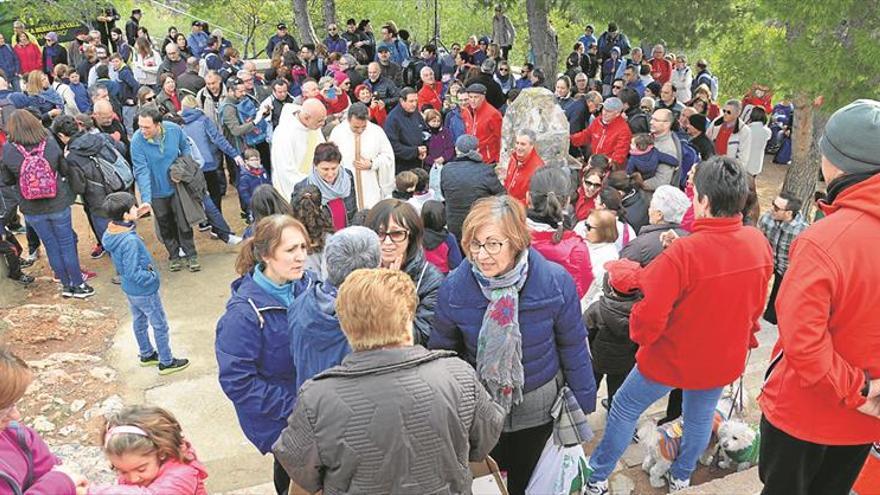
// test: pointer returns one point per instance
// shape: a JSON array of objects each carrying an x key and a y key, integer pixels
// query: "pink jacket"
[
  {"x": 174, "y": 477},
  {"x": 14, "y": 465},
  {"x": 571, "y": 253}
]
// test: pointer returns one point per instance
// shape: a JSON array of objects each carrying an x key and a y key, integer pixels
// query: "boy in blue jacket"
[
  {"x": 140, "y": 283},
  {"x": 252, "y": 176}
]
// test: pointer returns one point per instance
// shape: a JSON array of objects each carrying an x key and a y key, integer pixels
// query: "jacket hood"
[
  {"x": 87, "y": 144},
  {"x": 191, "y": 115},
  {"x": 862, "y": 197},
  {"x": 245, "y": 290},
  {"x": 314, "y": 312},
  {"x": 118, "y": 235}
]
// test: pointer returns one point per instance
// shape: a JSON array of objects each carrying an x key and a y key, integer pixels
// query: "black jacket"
[
  {"x": 406, "y": 131},
  {"x": 647, "y": 246},
  {"x": 494, "y": 94},
  {"x": 703, "y": 145},
  {"x": 427, "y": 279},
  {"x": 608, "y": 322},
  {"x": 462, "y": 182},
  {"x": 10, "y": 168},
  {"x": 85, "y": 178},
  {"x": 636, "y": 209},
  {"x": 384, "y": 89},
  {"x": 131, "y": 30}
]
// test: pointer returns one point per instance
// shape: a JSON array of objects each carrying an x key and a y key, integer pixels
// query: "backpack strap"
[
  {"x": 26, "y": 449},
  {"x": 13, "y": 485}
]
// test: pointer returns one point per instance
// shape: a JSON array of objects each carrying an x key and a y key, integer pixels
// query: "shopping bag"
[{"x": 560, "y": 471}]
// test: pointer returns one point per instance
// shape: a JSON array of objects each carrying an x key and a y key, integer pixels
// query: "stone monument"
[{"x": 536, "y": 109}]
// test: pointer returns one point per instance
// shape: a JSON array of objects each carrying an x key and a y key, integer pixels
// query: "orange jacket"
[
  {"x": 485, "y": 124},
  {"x": 519, "y": 174},
  {"x": 829, "y": 330},
  {"x": 611, "y": 140}
]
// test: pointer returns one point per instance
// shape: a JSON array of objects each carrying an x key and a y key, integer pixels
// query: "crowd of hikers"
[{"x": 406, "y": 302}]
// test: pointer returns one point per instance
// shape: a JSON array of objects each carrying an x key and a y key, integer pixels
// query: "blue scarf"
[
  {"x": 499, "y": 346},
  {"x": 283, "y": 293}
]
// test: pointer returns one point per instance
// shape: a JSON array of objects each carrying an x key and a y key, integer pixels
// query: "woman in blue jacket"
[
  {"x": 253, "y": 344},
  {"x": 516, "y": 318}
]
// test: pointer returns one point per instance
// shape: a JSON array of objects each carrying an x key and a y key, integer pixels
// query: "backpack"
[
  {"x": 26, "y": 450},
  {"x": 247, "y": 110},
  {"x": 115, "y": 172},
  {"x": 709, "y": 80},
  {"x": 36, "y": 178},
  {"x": 411, "y": 72}
]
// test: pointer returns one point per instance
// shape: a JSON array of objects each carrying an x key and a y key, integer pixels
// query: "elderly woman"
[
  {"x": 316, "y": 340},
  {"x": 335, "y": 182},
  {"x": 668, "y": 206},
  {"x": 423, "y": 413},
  {"x": 515, "y": 317},
  {"x": 400, "y": 232},
  {"x": 253, "y": 342}
]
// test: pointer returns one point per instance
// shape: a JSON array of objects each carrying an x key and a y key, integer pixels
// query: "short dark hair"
[
  {"x": 280, "y": 82},
  {"x": 430, "y": 48},
  {"x": 102, "y": 71},
  {"x": 65, "y": 124},
  {"x": 212, "y": 40},
  {"x": 434, "y": 215},
  {"x": 151, "y": 112},
  {"x": 793, "y": 203},
  {"x": 351, "y": 22},
  {"x": 612, "y": 27},
  {"x": 359, "y": 111},
  {"x": 404, "y": 215},
  {"x": 723, "y": 181},
  {"x": 758, "y": 115},
  {"x": 422, "y": 174},
  {"x": 118, "y": 204},
  {"x": 406, "y": 92},
  {"x": 327, "y": 152}
]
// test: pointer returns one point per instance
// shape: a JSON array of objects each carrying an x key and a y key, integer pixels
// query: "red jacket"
[
  {"x": 611, "y": 140},
  {"x": 519, "y": 174},
  {"x": 485, "y": 124},
  {"x": 430, "y": 95},
  {"x": 30, "y": 58},
  {"x": 571, "y": 253},
  {"x": 661, "y": 69},
  {"x": 702, "y": 299},
  {"x": 828, "y": 325}
]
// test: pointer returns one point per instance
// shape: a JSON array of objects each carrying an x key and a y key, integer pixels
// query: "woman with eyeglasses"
[
  {"x": 504, "y": 78},
  {"x": 586, "y": 192},
  {"x": 400, "y": 237},
  {"x": 515, "y": 317}
]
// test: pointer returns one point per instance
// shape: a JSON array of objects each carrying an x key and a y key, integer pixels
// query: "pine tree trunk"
[
  {"x": 329, "y": 12},
  {"x": 303, "y": 22},
  {"x": 542, "y": 38},
  {"x": 803, "y": 173}
]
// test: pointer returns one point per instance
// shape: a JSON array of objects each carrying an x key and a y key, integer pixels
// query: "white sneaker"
[
  {"x": 597, "y": 488},
  {"x": 676, "y": 485},
  {"x": 233, "y": 240}
]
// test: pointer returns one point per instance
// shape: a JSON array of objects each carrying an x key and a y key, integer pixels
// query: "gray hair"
[
  {"x": 737, "y": 106},
  {"x": 533, "y": 138},
  {"x": 350, "y": 249},
  {"x": 671, "y": 203},
  {"x": 192, "y": 64}
]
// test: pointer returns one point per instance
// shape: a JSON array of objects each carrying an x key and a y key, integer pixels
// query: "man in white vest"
[
  {"x": 367, "y": 152},
  {"x": 294, "y": 142}
]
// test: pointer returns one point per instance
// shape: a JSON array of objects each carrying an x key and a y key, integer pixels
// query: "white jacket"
[
  {"x": 759, "y": 135},
  {"x": 682, "y": 80},
  {"x": 378, "y": 182},
  {"x": 291, "y": 157},
  {"x": 739, "y": 144},
  {"x": 146, "y": 69},
  {"x": 69, "y": 98}
]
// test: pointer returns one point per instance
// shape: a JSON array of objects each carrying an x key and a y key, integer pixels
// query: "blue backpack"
[{"x": 247, "y": 110}]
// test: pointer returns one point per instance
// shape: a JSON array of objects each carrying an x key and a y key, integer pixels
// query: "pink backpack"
[{"x": 36, "y": 178}]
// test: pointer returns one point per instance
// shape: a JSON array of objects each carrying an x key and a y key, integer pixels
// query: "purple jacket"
[
  {"x": 14, "y": 463},
  {"x": 336, "y": 45},
  {"x": 440, "y": 144}
]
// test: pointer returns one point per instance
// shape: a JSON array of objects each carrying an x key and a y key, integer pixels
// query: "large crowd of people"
[{"x": 406, "y": 302}]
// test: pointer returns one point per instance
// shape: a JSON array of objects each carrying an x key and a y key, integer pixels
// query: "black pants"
[
  {"x": 265, "y": 150},
  {"x": 33, "y": 240},
  {"x": 673, "y": 406},
  {"x": 11, "y": 249},
  {"x": 770, "y": 312},
  {"x": 173, "y": 235},
  {"x": 791, "y": 466},
  {"x": 517, "y": 452},
  {"x": 505, "y": 52},
  {"x": 216, "y": 183},
  {"x": 615, "y": 380},
  {"x": 280, "y": 478}
]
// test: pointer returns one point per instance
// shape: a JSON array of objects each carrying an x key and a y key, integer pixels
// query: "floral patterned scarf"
[{"x": 499, "y": 346}]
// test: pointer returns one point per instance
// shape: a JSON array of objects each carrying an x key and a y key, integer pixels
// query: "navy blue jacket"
[
  {"x": 553, "y": 333},
  {"x": 253, "y": 354},
  {"x": 207, "y": 137},
  {"x": 9, "y": 62},
  {"x": 128, "y": 87},
  {"x": 316, "y": 339},
  {"x": 248, "y": 182},
  {"x": 406, "y": 131},
  {"x": 132, "y": 260}
]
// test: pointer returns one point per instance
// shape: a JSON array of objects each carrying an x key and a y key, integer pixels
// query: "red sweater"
[
  {"x": 661, "y": 69},
  {"x": 485, "y": 124},
  {"x": 702, "y": 299},
  {"x": 612, "y": 140},
  {"x": 519, "y": 174},
  {"x": 828, "y": 329},
  {"x": 29, "y": 57}
]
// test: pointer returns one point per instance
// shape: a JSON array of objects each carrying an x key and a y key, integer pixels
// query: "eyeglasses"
[
  {"x": 594, "y": 185},
  {"x": 588, "y": 226},
  {"x": 503, "y": 70},
  {"x": 492, "y": 247},
  {"x": 396, "y": 236}
]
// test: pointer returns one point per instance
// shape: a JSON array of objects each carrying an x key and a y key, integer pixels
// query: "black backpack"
[{"x": 411, "y": 72}]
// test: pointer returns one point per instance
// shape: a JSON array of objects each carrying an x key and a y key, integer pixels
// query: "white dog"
[
  {"x": 738, "y": 445},
  {"x": 662, "y": 444}
]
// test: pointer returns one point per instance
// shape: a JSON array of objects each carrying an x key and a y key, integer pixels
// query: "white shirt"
[
  {"x": 600, "y": 254},
  {"x": 291, "y": 158},
  {"x": 378, "y": 182}
]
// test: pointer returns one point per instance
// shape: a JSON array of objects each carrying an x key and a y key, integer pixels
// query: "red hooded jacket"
[
  {"x": 702, "y": 299},
  {"x": 430, "y": 95},
  {"x": 485, "y": 124},
  {"x": 611, "y": 140},
  {"x": 571, "y": 253},
  {"x": 829, "y": 333},
  {"x": 661, "y": 69},
  {"x": 519, "y": 174}
]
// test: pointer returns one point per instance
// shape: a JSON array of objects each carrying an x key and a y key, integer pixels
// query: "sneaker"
[
  {"x": 175, "y": 265},
  {"x": 204, "y": 226},
  {"x": 87, "y": 275},
  {"x": 24, "y": 279},
  {"x": 83, "y": 291},
  {"x": 193, "y": 264},
  {"x": 151, "y": 360},
  {"x": 233, "y": 240},
  {"x": 25, "y": 262},
  {"x": 97, "y": 252},
  {"x": 66, "y": 291},
  {"x": 597, "y": 487},
  {"x": 676, "y": 485},
  {"x": 116, "y": 280},
  {"x": 175, "y": 366}
]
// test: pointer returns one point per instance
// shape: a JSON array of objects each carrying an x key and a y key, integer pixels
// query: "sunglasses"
[
  {"x": 728, "y": 112},
  {"x": 594, "y": 185},
  {"x": 396, "y": 236},
  {"x": 616, "y": 87},
  {"x": 150, "y": 98},
  {"x": 503, "y": 70}
]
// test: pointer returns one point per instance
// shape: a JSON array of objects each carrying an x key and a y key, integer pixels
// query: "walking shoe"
[
  {"x": 676, "y": 485},
  {"x": 175, "y": 265},
  {"x": 204, "y": 226},
  {"x": 83, "y": 291},
  {"x": 151, "y": 360},
  {"x": 116, "y": 280},
  {"x": 66, "y": 291},
  {"x": 87, "y": 275},
  {"x": 193, "y": 264},
  {"x": 24, "y": 279},
  {"x": 175, "y": 366},
  {"x": 597, "y": 487},
  {"x": 233, "y": 240},
  {"x": 97, "y": 252},
  {"x": 25, "y": 262}
]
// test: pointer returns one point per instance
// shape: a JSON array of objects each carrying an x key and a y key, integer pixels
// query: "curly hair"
[
  {"x": 306, "y": 204},
  {"x": 164, "y": 434}
]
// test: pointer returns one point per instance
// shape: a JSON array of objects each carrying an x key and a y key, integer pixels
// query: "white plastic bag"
[{"x": 560, "y": 471}]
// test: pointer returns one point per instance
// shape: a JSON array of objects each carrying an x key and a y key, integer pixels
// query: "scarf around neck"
[
  {"x": 340, "y": 189},
  {"x": 499, "y": 345}
]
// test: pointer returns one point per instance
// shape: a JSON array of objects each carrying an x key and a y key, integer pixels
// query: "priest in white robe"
[
  {"x": 294, "y": 142},
  {"x": 375, "y": 166}
]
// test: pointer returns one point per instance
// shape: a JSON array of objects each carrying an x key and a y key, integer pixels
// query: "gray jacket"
[
  {"x": 503, "y": 31},
  {"x": 398, "y": 420}
]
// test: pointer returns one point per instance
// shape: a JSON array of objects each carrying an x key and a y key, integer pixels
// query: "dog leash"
[{"x": 739, "y": 395}]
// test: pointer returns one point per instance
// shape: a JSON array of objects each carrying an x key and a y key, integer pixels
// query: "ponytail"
[{"x": 549, "y": 191}]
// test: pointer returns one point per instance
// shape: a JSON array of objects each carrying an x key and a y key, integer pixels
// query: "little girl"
[
  {"x": 441, "y": 246},
  {"x": 146, "y": 447}
]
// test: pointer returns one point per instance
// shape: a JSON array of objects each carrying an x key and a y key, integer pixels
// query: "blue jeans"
[
  {"x": 56, "y": 232},
  {"x": 100, "y": 224},
  {"x": 147, "y": 311},
  {"x": 216, "y": 220},
  {"x": 634, "y": 397}
]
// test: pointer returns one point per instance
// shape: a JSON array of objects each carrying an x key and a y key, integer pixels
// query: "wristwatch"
[{"x": 866, "y": 388}]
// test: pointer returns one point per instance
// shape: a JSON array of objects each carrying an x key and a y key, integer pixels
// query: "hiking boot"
[
  {"x": 83, "y": 291},
  {"x": 97, "y": 252},
  {"x": 67, "y": 291},
  {"x": 175, "y": 366},
  {"x": 175, "y": 265},
  {"x": 24, "y": 279},
  {"x": 151, "y": 360},
  {"x": 193, "y": 264}
]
